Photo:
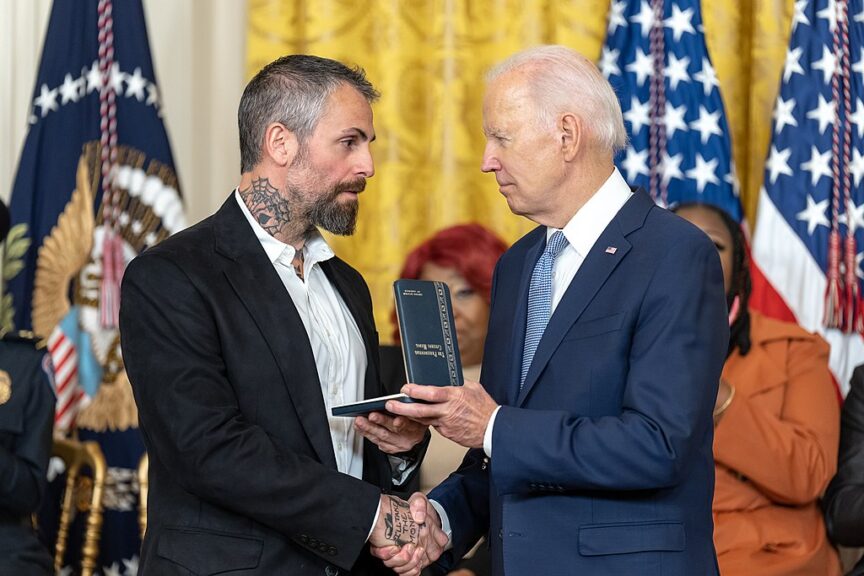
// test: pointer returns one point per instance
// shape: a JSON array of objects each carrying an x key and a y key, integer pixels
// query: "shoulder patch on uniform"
[
  {"x": 25, "y": 336},
  {"x": 5, "y": 387}
]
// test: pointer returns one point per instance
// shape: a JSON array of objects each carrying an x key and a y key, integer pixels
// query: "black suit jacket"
[
  {"x": 243, "y": 476},
  {"x": 844, "y": 498}
]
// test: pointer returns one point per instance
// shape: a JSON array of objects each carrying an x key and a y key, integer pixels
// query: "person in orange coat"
[{"x": 777, "y": 429}]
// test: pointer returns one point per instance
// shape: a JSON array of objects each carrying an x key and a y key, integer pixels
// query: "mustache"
[{"x": 358, "y": 185}]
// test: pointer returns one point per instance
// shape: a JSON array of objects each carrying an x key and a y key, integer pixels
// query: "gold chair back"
[
  {"x": 78, "y": 455},
  {"x": 143, "y": 469}
]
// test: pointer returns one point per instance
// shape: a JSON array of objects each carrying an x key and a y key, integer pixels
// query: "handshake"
[{"x": 407, "y": 536}]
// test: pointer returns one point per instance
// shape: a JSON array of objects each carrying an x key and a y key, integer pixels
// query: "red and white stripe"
[
  {"x": 69, "y": 393},
  {"x": 789, "y": 284}
]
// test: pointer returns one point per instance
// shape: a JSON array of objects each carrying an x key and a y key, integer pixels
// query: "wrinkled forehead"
[{"x": 508, "y": 96}]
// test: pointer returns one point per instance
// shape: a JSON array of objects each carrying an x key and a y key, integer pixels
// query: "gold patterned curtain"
[{"x": 429, "y": 58}]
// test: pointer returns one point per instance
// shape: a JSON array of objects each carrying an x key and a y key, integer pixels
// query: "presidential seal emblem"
[
  {"x": 5, "y": 387},
  {"x": 93, "y": 391}
]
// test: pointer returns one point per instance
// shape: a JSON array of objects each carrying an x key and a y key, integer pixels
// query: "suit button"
[
  {"x": 331, "y": 551},
  {"x": 331, "y": 571},
  {"x": 500, "y": 533}
]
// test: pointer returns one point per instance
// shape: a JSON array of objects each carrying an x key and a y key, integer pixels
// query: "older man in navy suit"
[{"x": 591, "y": 432}]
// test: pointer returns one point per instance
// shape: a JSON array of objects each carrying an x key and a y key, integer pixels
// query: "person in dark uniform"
[
  {"x": 844, "y": 498},
  {"x": 26, "y": 424}
]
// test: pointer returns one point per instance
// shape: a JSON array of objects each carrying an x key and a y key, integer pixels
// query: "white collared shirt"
[
  {"x": 584, "y": 229},
  {"x": 338, "y": 348}
]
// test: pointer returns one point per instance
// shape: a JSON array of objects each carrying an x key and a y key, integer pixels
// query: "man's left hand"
[
  {"x": 405, "y": 537},
  {"x": 460, "y": 413},
  {"x": 392, "y": 434}
]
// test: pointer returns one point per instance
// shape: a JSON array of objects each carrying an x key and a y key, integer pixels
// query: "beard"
[{"x": 327, "y": 212}]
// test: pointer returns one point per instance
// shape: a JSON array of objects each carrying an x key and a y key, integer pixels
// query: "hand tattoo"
[
  {"x": 267, "y": 206},
  {"x": 399, "y": 526}
]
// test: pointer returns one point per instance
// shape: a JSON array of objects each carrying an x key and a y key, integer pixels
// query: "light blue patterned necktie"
[{"x": 540, "y": 300}]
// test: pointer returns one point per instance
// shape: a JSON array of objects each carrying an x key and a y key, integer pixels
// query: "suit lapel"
[
  {"x": 595, "y": 270},
  {"x": 333, "y": 269},
  {"x": 376, "y": 468},
  {"x": 258, "y": 286}
]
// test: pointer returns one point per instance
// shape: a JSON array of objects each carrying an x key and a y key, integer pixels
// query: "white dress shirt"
[
  {"x": 337, "y": 345},
  {"x": 340, "y": 354},
  {"x": 582, "y": 232}
]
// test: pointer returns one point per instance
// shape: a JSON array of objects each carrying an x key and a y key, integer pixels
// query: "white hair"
[{"x": 560, "y": 79}]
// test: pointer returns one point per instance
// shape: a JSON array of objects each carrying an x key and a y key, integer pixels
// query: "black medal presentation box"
[{"x": 429, "y": 345}]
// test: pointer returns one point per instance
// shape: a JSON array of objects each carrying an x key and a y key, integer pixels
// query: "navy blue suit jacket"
[{"x": 602, "y": 464}]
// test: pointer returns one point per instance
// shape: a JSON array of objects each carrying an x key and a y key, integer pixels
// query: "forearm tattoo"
[
  {"x": 267, "y": 205},
  {"x": 399, "y": 526}
]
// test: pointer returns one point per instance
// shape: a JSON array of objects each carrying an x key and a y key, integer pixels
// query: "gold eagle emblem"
[
  {"x": 66, "y": 249},
  {"x": 70, "y": 263}
]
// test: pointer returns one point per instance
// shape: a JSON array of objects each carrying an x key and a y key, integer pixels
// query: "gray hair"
[
  {"x": 561, "y": 79},
  {"x": 292, "y": 90}
]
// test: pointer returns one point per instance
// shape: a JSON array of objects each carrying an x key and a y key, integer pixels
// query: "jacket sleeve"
[
  {"x": 464, "y": 495},
  {"x": 844, "y": 499},
  {"x": 194, "y": 427},
  {"x": 790, "y": 457},
  {"x": 465, "y": 498},
  {"x": 674, "y": 358},
  {"x": 23, "y": 469}
]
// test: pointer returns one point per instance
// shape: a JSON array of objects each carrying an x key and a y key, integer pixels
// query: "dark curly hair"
[{"x": 739, "y": 331}]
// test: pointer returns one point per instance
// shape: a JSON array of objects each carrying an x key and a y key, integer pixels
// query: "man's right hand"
[{"x": 408, "y": 535}]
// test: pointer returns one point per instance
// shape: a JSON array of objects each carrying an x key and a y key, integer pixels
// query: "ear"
[
  {"x": 571, "y": 132},
  {"x": 280, "y": 144}
]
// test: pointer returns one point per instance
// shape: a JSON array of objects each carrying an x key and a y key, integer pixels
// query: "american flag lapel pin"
[{"x": 611, "y": 249}]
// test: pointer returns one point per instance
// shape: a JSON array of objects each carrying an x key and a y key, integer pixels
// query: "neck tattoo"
[
  {"x": 297, "y": 262},
  {"x": 267, "y": 206}
]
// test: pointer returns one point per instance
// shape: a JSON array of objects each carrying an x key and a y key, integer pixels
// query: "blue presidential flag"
[
  {"x": 810, "y": 221},
  {"x": 656, "y": 59},
  {"x": 95, "y": 186}
]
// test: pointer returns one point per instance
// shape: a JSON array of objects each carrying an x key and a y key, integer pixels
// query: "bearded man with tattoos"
[{"x": 241, "y": 332}]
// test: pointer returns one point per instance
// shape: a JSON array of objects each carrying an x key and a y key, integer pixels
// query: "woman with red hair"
[{"x": 463, "y": 257}]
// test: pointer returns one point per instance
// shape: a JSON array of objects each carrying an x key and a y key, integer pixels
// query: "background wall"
[
  {"x": 198, "y": 48},
  {"x": 429, "y": 59}
]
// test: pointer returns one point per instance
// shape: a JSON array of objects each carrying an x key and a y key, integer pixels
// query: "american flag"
[
  {"x": 95, "y": 186},
  {"x": 812, "y": 195},
  {"x": 656, "y": 59}
]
